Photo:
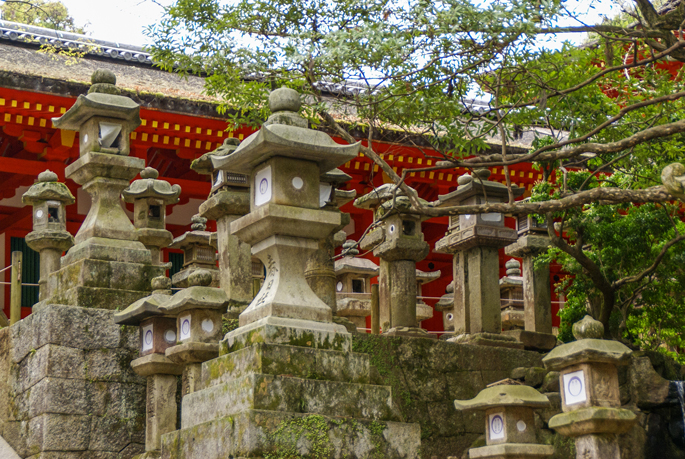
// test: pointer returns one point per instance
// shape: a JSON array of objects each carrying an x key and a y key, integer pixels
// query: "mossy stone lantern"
[
  {"x": 475, "y": 241},
  {"x": 198, "y": 310},
  {"x": 353, "y": 285},
  {"x": 150, "y": 196},
  {"x": 49, "y": 236},
  {"x": 509, "y": 422},
  {"x": 511, "y": 296},
  {"x": 590, "y": 399},
  {"x": 157, "y": 334},
  {"x": 228, "y": 200},
  {"x": 398, "y": 242},
  {"x": 284, "y": 161},
  {"x": 445, "y": 305},
  {"x": 423, "y": 310},
  {"x": 199, "y": 252}
]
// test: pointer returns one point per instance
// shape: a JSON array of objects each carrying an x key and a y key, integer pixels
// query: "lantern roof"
[
  {"x": 148, "y": 306},
  {"x": 103, "y": 99},
  {"x": 47, "y": 188},
  {"x": 149, "y": 186},
  {"x": 504, "y": 395},
  {"x": 479, "y": 185}
]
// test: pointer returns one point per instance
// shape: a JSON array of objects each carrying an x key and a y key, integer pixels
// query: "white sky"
[{"x": 123, "y": 21}]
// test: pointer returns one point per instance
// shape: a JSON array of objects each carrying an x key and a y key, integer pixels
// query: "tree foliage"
[
  {"x": 612, "y": 108},
  {"x": 40, "y": 13}
]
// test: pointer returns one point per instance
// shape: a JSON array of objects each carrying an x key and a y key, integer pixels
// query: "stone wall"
[
  {"x": 67, "y": 390},
  {"x": 428, "y": 375}
]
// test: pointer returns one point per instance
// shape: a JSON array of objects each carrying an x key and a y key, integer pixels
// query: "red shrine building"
[{"x": 179, "y": 124}]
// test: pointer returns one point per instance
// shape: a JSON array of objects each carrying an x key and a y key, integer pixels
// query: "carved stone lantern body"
[
  {"x": 476, "y": 241},
  {"x": 49, "y": 236},
  {"x": 398, "y": 242},
  {"x": 199, "y": 252},
  {"x": 150, "y": 196},
  {"x": 590, "y": 401},
  {"x": 510, "y": 430},
  {"x": 353, "y": 285},
  {"x": 157, "y": 333},
  {"x": 284, "y": 161}
]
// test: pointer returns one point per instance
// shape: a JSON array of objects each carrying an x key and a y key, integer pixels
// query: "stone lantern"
[
  {"x": 150, "y": 197},
  {"x": 228, "y": 201},
  {"x": 284, "y": 161},
  {"x": 320, "y": 270},
  {"x": 353, "y": 285},
  {"x": 590, "y": 399},
  {"x": 107, "y": 241},
  {"x": 424, "y": 311},
  {"x": 446, "y": 305},
  {"x": 199, "y": 252},
  {"x": 398, "y": 242},
  {"x": 157, "y": 334},
  {"x": 49, "y": 236},
  {"x": 511, "y": 296},
  {"x": 509, "y": 422},
  {"x": 537, "y": 299},
  {"x": 198, "y": 310},
  {"x": 475, "y": 240}
]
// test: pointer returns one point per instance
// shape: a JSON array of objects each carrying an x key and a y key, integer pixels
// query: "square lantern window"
[
  {"x": 222, "y": 178},
  {"x": 408, "y": 227},
  {"x": 53, "y": 214},
  {"x": 154, "y": 212},
  {"x": 530, "y": 224},
  {"x": 358, "y": 285},
  {"x": 110, "y": 135}
]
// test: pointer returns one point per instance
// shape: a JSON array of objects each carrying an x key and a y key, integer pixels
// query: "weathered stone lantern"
[
  {"x": 509, "y": 422},
  {"x": 511, "y": 296},
  {"x": 49, "y": 236},
  {"x": 424, "y": 311},
  {"x": 445, "y": 305},
  {"x": 353, "y": 285},
  {"x": 320, "y": 270},
  {"x": 150, "y": 196},
  {"x": 198, "y": 310},
  {"x": 590, "y": 400},
  {"x": 398, "y": 242},
  {"x": 107, "y": 238},
  {"x": 475, "y": 240},
  {"x": 199, "y": 252},
  {"x": 157, "y": 334},
  {"x": 228, "y": 201},
  {"x": 537, "y": 299},
  {"x": 284, "y": 161}
]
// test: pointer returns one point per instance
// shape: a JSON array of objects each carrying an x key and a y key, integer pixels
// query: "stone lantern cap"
[
  {"x": 198, "y": 296},
  {"x": 47, "y": 188},
  {"x": 203, "y": 165},
  {"x": 375, "y": 197},
  {"x": 447, "y": 300},
  {"x": 197, "y": 235},
  {"x": 148, "y": 306},
  {"x": 504, "y": 395},
  {"x": 148, "y": 186},
  {"x": 285, "y": 134},
  {"x": 360, "y": 266},
  {"x": 588, "y": 349},
  {"x": 425, "y": 277},
  {"x": 469, "y": 187},
  {"x": 103, "y": 99},
  {"x": 335, "y": 177}
]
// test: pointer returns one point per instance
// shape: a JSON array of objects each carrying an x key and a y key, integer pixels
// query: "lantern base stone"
[
  {"x": 412, "y": 332},
  {"x": 155, "y": 364},
  {"x": 512, "y": 451},
  {"x": 293, "y": 332},
  {"x": 593, "y": 420},
  {"x": 192, "y": 352},
  {"x": 487, "y": 339},
  {"x": 533, "y": 341}
]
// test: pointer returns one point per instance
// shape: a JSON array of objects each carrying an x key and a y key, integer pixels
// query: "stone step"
[
  {"x": 279, "y": 359},
  {"x": 287, "y": 394},
  {"x": 256, "y": 433}
]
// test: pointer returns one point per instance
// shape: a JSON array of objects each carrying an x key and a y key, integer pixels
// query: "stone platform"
[{"x": 283, "y": 389}]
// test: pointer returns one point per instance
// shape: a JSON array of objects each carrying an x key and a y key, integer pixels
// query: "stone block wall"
[
  {"x": 428, "y": 375},
  {"x": 67, "y": 390}
]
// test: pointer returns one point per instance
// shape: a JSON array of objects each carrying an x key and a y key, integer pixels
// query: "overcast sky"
[{"x": 123, "y": 21}]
